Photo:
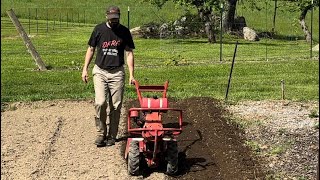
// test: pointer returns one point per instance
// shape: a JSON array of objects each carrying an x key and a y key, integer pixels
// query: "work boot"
[
  {"x": 111, "y": 142},
  {"x": 100, "y": 141}
]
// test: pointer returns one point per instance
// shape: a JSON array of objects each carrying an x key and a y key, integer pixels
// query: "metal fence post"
[
  {"x": 67, "y": 18},
  {"x": 128, "y": 17},
  {"x": 311, "y": 28},
  {"x": 72, "y": 17},
  {"x": 221, "y": 6},
  {"x": 37, "y": 19},
  {"x": 60, "y": 20},
  {"x": 266, "y": 30},
  {"x": 47, "y": 21},
  {"x": 229, "y": 81},
  {"x": 274, "y": 17},
  {"x": 282, "y": 89},
  {"x": 29, "y": 24}
]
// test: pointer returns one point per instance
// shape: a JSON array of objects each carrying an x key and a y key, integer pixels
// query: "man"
[{"x": 110, "y": 39}]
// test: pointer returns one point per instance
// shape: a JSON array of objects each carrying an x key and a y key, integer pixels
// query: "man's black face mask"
[{"x": 114, "y": 23}]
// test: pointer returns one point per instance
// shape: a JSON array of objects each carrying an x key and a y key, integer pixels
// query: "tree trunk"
[
  {"x": 228, "y": 15},
  {"x": 274, "y": 17},
  {"x": 209, "y": 32},
  {"x": 207, "y": 17},
  {"x": 303, "y": 24}
]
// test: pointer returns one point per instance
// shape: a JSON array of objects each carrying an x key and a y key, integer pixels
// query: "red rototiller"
[{"x": 150, "y": 142}]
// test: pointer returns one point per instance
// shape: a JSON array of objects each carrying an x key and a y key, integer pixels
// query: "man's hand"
[
  {"x": 131, "y": 81},
  {"x": 85, "y": 76},
  {"x": 87, "y": 60}
]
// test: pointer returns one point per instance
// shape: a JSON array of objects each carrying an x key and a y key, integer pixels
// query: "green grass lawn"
[{"x": 197, "y": 70}]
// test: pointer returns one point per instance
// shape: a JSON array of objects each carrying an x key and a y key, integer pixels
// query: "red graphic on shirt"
[{"x": 114, "y": 43}]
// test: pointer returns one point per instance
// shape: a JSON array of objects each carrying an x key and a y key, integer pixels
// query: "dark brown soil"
[{"x": 210, "y": 146}]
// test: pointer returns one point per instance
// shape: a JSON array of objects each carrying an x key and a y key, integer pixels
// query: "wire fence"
[
  {"x": 44, "y": 20},
  {"x": 287, "y": 43}
]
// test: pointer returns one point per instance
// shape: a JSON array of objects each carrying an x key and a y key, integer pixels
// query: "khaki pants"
[{"x": 109, "y": 88}]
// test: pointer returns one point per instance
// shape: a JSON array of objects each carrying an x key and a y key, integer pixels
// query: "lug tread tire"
[
  {"x": 134, "y": 159},
  {"x": 172, "y": 157}
]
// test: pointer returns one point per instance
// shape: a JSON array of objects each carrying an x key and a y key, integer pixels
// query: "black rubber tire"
[
  {"x": 172, "y": 157},
  {"x": 134, "y": 159}
]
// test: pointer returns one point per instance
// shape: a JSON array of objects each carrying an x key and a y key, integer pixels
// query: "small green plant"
[
  {"x": 281, "y": 131},
  {"x": 76, "y": 65},
  {"x": 171, "y": 62},
  {"x": 12, "y": 107},
  {"x": 254, "y": 146},
  {"x": 278, "y": 150},
  {"x": 302, "y": 178},
  {"x": 271, "y": 175},
  {"x": 307, "y": 168},
  {"x": 314, "y": 114},
  {"x": 316, "y": 125},
  {"x": 242, "y": 123},
  {"x": 174, "y": 60},
  {"x": 4, "y": 107}
]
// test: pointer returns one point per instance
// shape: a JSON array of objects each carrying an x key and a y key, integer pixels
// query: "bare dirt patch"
[
  {"x": 285, "y": 134},
  {"x": 54, "y": 140}
]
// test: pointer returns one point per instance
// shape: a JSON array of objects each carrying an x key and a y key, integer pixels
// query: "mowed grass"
[{"x": 192, "y": 67}]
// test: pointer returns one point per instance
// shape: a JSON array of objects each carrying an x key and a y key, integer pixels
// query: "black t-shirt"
[{"x": 110, "y": 44}]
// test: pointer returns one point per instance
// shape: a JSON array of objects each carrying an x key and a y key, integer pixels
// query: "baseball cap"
[{"x": 113, "y": 12}]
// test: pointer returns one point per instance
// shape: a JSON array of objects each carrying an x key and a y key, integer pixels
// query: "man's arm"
[
  {"x": 87, "y": 60},
  {"x": 130, "y": 63}
]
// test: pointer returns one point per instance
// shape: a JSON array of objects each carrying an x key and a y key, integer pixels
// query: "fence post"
[
  {"x": 274, "y": 17},
  {"x": 128, "y": 17},
  {"x": 221, "y": 6},
  {"x": 37, "y": 20},
  {"x": 47, "y": 21},
  {"x": 266, "y": 30},
  {"x": 282, "y": 89},
  {"x": 72, "y": 17},
  {"x": 229, "y": 81},
  {"x": 26, "y": 40},
  {"x": 60, "y": 20},
  {"x": 311, "y": 28},
  {"x": 29, "y": 20},
  {"x": 67, "y": 18}
]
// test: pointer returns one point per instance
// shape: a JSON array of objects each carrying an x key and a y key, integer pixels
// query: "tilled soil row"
[{"x": 55, "y": 140}]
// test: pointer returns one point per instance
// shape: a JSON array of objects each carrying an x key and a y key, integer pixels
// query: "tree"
[
  {"x": 228, "y": 15},
  {"x": 274, "y": 16},
  {"x": 304, "y": 7},
  {"x": 205, "y": 9}
]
